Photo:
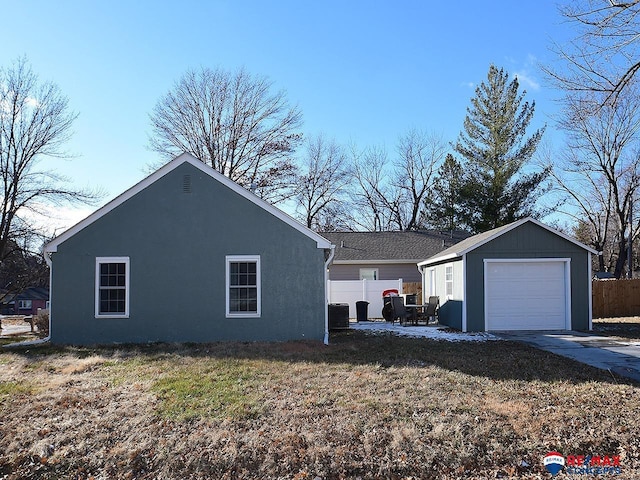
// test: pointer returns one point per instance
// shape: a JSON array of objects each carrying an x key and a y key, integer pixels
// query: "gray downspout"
[{"x": 326, "y": 294}]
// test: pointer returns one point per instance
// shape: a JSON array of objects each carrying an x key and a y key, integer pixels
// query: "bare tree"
[
  {"x": 35, "y": 122},
  {"x": 371, "y": 199},
  {"x": 321, "y": 184},
  {"x": 234, "y": 123},
  {"x": 600, "y": 173},
  {"x": 391, "y": 196},
  {"x": 603, "y": 57},
  {"x": 419, "y": 155}
]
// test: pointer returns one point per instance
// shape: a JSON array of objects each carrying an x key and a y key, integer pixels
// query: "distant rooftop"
[{"x": 410, "y": 246}]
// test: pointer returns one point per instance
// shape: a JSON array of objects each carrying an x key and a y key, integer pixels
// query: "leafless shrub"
[{"x": 41, "y": 321}]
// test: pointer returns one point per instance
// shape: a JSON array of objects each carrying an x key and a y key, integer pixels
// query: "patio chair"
[
  {"x": 431, "y": 310},
  {"x": 399, "y": 310}
]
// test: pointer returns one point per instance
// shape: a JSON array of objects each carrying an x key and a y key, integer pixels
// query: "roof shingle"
[{"x": 413, "y": 246}]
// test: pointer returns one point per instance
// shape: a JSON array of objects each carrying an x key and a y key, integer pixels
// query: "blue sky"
[{"x": 361, "y": 72}]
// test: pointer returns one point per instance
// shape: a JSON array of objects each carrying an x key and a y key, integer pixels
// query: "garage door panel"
[{"x": 525, "y": 295}]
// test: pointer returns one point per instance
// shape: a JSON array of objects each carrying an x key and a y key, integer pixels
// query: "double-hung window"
[
  {"x": 112, "y": 287},
  {"x": 25, "y": 304},
  {"x": 448, "y": 280},
  {"x": 243, "y": 286}
]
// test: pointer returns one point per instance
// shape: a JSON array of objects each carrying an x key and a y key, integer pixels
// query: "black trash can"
[
  {"x": 362, "y": 314},
  {"x": 338, "y": 316}
]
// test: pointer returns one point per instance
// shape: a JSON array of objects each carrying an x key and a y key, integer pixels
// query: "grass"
[
  {"x": 365, "y": 406},
  {"x": 14, "y": 339},
  {"x": 625, "y": 328},
  {"x": 215, "y": 390},
  {"x": 13, "y": 389}
]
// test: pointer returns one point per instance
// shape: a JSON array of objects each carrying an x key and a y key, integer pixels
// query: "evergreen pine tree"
[
  {"x": 495, "y": 191},
  {"x": 442, "y": 209}
]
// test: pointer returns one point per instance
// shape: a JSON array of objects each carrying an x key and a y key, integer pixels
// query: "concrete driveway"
[{"x": 622, "y": 358}]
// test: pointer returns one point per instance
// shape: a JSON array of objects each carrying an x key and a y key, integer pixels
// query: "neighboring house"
[
  {"x": 187, "y": 255},
  {"x": 385, "y": 255},
  {"x": 26, "y": 302},
  {"x": 522, "y": 276}
]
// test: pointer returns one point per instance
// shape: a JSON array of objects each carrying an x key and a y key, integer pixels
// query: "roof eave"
[
  {"x": 444, "y": 258},
  {"x": 501, "y": 232}
]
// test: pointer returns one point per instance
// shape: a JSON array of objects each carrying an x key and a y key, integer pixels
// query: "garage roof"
[{"x": 469, "y": 244}]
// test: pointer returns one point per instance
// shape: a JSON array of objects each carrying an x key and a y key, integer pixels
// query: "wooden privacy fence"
[
  {"x": 616, "y": 298},
  {"x": 413, "y": 287}
]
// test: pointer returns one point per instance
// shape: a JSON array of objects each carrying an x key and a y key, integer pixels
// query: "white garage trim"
[
  {"x": 567, "y": 283},
  {"x": 464, "y": 295}
]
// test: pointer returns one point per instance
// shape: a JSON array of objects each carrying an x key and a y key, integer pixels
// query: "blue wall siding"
[
  {"x": 529, "y": 241},
  {"x": 177, "y": 243},
  {"x": 450, "y": 314}
]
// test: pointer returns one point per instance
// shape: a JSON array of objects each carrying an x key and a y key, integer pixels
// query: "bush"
[{"x": 41, "y": 321}]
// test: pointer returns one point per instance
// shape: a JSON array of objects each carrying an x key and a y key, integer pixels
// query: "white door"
[{"x": 526, "y": 295}]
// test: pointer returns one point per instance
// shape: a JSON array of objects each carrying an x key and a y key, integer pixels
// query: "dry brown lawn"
[
  {"x": 625, "y": 328},
  {"x": 364, "y": 407}
]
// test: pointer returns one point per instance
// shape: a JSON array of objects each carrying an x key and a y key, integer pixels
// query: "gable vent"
[{"x": 186, "y": 184}]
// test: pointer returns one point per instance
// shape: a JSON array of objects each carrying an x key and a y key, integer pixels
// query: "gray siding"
[
  {"x": 177, "y": 243},
  {"x": 408, "y": 272},
  {"x": 528, "y": 241}
]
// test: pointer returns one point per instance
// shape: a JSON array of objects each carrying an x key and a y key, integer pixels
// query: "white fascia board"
[
  {"x": 164, "y": 170},
  {"x": 501, "y": 232},
  {"x": 444, "y": 258},
  {"x": 520, "y": 222},
  {"x": 563, "y": 235}
]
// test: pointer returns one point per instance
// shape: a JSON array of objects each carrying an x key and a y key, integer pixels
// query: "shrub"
[{"x": 41, "y": 321}]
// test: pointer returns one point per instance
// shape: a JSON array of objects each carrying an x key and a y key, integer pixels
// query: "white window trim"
[
  {"x": 243, "y": 258},
  {"x": 127, "y": 286},
  {"x": 447, "y": 282},
  {"x": 22, "y": 304},
  {"x": 375, "y": 270},
  {"x": 432, "y": 282}
]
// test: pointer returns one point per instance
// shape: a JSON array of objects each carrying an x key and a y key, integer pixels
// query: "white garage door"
[{"x": 525, "y": 295}]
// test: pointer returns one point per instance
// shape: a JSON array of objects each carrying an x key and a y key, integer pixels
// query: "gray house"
[
  {"x": 187, "y": 255},
  {"x": 522, "y": 276},
  {"x": 385, "y": 255}
]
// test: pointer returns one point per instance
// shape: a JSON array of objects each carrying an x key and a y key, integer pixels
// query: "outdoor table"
[{"x": 413, "y": 309}]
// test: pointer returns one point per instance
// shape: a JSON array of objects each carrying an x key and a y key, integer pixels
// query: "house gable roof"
[
  {"x": 29, "y": 293},
  {"x": 164, "y": 170},
  {"x": 476, "y": 241},
  {"x": 389, "y": 247}
]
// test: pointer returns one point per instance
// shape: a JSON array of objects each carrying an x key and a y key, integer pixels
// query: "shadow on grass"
[
  {"x": 618, "y": 329},
  {"x": 17, "y": 338},
  {"x": 495, "y": 360}
]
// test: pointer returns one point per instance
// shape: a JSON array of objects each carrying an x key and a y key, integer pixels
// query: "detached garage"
[{"x": 522, "y": 276}]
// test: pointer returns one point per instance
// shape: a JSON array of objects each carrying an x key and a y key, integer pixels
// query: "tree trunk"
[{"x": 622, "y": 258}]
